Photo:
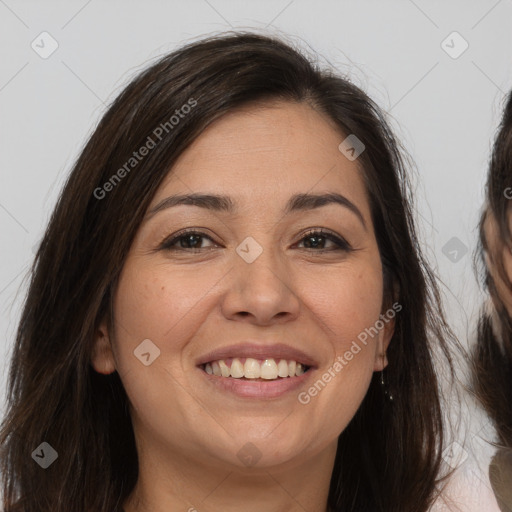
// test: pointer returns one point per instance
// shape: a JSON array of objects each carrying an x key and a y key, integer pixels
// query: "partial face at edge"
[
  {"x": 199, "y": 294},
  {"x": 497, "y": 250}
]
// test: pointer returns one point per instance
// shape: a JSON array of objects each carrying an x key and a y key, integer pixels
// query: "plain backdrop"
[{"x": 440, "y": 69}]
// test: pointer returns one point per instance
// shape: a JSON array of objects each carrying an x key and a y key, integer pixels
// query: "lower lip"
[{"x": 257, "y": 388}]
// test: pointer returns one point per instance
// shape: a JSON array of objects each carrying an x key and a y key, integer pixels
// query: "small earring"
[{"x": 385, "y": 389}]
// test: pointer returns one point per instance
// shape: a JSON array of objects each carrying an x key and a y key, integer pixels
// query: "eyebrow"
[{"x": 220, "y": 203}]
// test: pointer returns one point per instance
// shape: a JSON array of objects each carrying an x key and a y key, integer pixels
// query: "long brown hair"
[
  {"x": 492, "y": 356},
  {"x": 389, "y": 456}
]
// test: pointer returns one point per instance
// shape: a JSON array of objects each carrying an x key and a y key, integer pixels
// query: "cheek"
[
  {"x": 347, "y": 303},
  {"x": 164, "y": 307},
  {"x": 153, "y": 300},
  {"x": 348, "y": 309}
]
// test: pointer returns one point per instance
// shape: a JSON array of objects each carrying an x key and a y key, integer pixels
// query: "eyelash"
[{"x": 342, "y": 244}]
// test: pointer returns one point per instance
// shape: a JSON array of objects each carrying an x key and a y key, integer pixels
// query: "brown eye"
[
  {"x": 316, "y": 239},
  {"x": 188, "y": 240}
]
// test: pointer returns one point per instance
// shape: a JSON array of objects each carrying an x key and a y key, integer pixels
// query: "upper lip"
[{"x": 258, "y": 351}]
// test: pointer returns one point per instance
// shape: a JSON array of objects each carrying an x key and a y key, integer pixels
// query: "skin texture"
[
  {"x": 497, "y": 250},
  {"x": 191, "y": 301}
]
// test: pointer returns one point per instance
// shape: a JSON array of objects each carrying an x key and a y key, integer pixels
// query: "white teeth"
[
  {"x": 237, "y": 369},
  {"x": 282, "y": 368},
  {"x": 252, "y": 369},
  {"x": 269, "y": 369},
  {"x": 216, "y": 369},
  {"x": 224, "y": 368}
]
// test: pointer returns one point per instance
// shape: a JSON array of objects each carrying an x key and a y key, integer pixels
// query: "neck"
[{"x": 175, "y": 481}]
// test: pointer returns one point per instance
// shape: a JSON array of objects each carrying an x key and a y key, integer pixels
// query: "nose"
[{"x": 261, "y": 292}]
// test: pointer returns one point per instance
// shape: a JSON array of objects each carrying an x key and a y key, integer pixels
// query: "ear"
[
  {"x": 102, "y": 358},
  {"x": 388, "y": 319},
  {"x": 383, "y": 340}
]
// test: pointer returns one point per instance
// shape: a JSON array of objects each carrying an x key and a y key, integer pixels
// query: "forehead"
[{"x": 263, "y": 151}]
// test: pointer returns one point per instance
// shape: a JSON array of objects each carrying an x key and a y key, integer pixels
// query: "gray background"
[{"x": 444, "y": 109}]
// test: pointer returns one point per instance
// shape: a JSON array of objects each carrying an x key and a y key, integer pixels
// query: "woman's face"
[
  {"x": 498, "y": 250},
  {"x": 251, "y": 284}
]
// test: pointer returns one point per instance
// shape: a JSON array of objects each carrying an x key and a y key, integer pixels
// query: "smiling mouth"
[{"x": 243, "y": 368}]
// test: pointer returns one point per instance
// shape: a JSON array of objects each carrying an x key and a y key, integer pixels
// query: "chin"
[{"x": 264, "y": 446}]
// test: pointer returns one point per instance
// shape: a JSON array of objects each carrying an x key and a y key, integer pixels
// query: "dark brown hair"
[
  {"x": 492, "y": 356},
  {"x": 388, "y": 457}
]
